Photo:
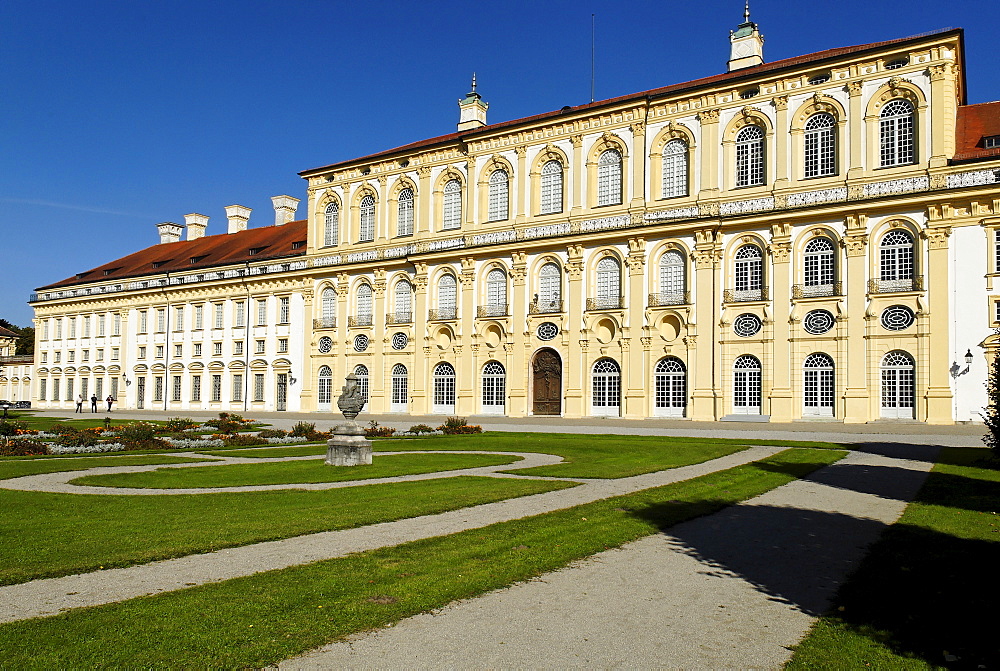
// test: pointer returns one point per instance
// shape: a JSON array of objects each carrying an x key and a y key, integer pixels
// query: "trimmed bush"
[
  {"x": 455, "y": 426},
  {"x": 272, "y": 433},
  {"x": 376, "y": 431},
  {"x": 244, "y": 440},
  {"x": 21, "y": 447}
]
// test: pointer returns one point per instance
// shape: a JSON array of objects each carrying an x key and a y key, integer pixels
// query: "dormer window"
[
  {"x": 157, "y": 264},
  {"x": 299, "y": 244},
  {"x": 991, "y": 142},
  {"x": 897, "y": 63},
  {"x": 198, "y": 259},
  {"x": 80, "y": 276},
  {"x": 256, "y": 250}
]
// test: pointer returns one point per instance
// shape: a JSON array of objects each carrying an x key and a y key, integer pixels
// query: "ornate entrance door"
[
  {"x": 547, "y": 383},
  {"x": 282, "y": 400}
]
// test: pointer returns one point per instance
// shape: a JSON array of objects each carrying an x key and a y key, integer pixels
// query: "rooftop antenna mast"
[{"x": 592, "y": 48}]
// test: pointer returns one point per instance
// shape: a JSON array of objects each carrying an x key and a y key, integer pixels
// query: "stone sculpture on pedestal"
[{"x": 348, "y": 446}]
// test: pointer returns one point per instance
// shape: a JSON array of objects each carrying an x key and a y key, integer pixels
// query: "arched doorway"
[
  {"x": 746, "y": 385},
  {"x": 670, "y": 386},
  {"x": 818, "y": 385},
  {"x": 898, "y": 397},
  {"x": 606, "y": 389},
  {"x": 324, "y": 388},
  {"x": 494, "y": 396},
  {"x": 546, "y": 383}
]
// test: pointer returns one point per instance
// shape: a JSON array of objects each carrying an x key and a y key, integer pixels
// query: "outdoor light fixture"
[
  {"x": 6, "y": 406},
  {"x": 956, "y": 370},
  {"x": 292, "y": 379},
  {"x": 968, "y": 357}
]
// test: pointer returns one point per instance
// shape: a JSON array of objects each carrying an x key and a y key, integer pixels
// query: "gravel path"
[
  {"x": 730, "y": 590},
  {"x": 50, "y": 596}
]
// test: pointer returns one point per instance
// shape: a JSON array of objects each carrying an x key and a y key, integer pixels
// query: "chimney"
[
  {"x": 284, "y": 209},
  {"x": 196, "y": 225},
  {"x": 169, "y": 232},
  {"x": 238, "y": 217},
  {"x": 472, "y": 109}
]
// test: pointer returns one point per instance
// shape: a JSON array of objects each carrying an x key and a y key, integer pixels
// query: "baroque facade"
[{"x": 813, "y": 238}]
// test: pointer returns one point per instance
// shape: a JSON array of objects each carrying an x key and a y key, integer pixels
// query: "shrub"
[
  {"x": 418, "y": 429},
  {"x": 229, "y": 423},
  {"x": 21, "y": 447},
  {"x": 376, "y": 431},
  {"x": 178, "y": 424},
  {"x": 77, "y": 438},
  {"x": 454, "y": 426},
  {"x": 272, "y": 433},
  {"x": 244, "y": 440},
  {"x": 12, "y": 427},
  {"x": 303, "y": 429},
  {"x": 138, "y": 432}
]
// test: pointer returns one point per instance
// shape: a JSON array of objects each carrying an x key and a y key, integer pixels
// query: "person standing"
[
  {"x": 79, "y": 402},
  {"x": 93, "y": 402},
  {"x": 109, "y": 400}
]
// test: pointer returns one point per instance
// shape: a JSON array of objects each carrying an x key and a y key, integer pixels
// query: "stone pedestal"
[{"x": 348, "y": 447}]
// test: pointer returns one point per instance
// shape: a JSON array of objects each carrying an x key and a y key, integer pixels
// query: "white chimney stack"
[
  {"x": 169, "y": 232},
  {"x": 196, "y": 225},
  {"x": 238, "y": 217},
  {"x": 284, "y": 209}
]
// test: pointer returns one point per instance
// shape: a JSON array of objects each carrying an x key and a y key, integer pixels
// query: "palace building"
[{"x": 811, "y": 238}]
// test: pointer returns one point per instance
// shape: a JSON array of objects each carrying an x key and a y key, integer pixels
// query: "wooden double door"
[{"x": 546, "y": 388}]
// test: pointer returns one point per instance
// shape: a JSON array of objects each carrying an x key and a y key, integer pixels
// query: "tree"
[
  {"x": 26, "y": 343},
  {"x": 992, "y": 415}
]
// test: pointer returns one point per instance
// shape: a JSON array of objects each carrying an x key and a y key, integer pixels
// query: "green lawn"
[
  {"x": 294, "y": 472},
  {"x": 15, "y": 468},
  {"x": 924, "y": 596},
  {"x": 303, "y": 450},
  {"x": 256, "y": 621},
  {"x": 59, "y": 534}
]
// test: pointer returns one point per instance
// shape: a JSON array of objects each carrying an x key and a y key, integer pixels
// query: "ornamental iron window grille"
[
  {"x": 498, "y": 201},
  {"x": 175, "y": 391},
  {"x": 897, "y": 318},
  {"x": 895, "y": 129},
  {"x": 360, "y": 343},
  {"x": 451, "y": 215},
  {"x": 818, "y": 322},
  {"x": 674, "y": 178},
  {"x": 547, "y": 331},
  {"x": 404, "y": 212},
  {"x": 609, "y": 178},
  {"x": 820, "y": 146},
  {"x": 747, "y": 325},
  {"x": 750, "y": 156},
  {"x": 551, "y": 188},
  {"x": 325, "y": 345},
  {"x": 331, "y": 225},
  {"x": 400, "y": 340}
]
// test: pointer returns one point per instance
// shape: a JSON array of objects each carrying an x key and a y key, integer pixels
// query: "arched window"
[
  {"x": 366, "y": 231},
  {"x": 446, "y": 298},
  {"x": 675, "y": 169},
  {"x": 895, "y": 133},
  {"x": 746, "y": 385},
  {"x": 364, "y": 313},
  {"x": 898, "y": 388},
  {"x": 820, "y": 145},
  {"x": 400, "y": 389},
  {"x": 609, "y": 294},
  {"x": 498, "y": 201},
  {"x": 324, "y": 388},
  {"x": 329, "y": 319},
  {"x": 606, "y": 387},
  {"x": 451, "y": 215},
  {"x": 552, "y": 188},
  {"x": 895, "y": 254},
  {"x": 818, "y": 385},
  {"x": 361, "y": 372},
  {"x": 749, "y": 274},
  {"x": 672, "y": 287},
  {"x": 404, "y": 212},
  {"x": 496, "y": 294},
  {"x": 609, "y": 178},
  {"x": 750, "y": 156},
  {"x": 403, "y": 303},
  {"x": 494, "y": 387},
  {"x": 549, "y": 297},
  {"x": 331, "y": 225},
  {"x": 444, "y": 388},
  {"x": 820, "y": 270},
  {"x": 670, "y": 388}
]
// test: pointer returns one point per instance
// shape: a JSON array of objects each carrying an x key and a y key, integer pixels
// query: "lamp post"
[{"x": 6, "y": 407}]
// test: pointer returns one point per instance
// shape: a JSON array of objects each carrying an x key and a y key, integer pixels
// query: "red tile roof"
[
  {"x": 974, "y": 123},
  {"x": 273, "y": 242},
  {"x": 744, "y": 73},
  {"x": 7, "y": 333}
]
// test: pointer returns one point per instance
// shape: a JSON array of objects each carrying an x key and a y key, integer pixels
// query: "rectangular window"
[
  {"x": 58, "y": 357},
  {"x": 238, "y": 348},
  {"x": 259, "y": 347},
  {"x": 239, "y": 313},
  {"x": 178, "y": 350},
  {"x": 84, "y": 383},
  {"x": 45, "y": 331},
  {"x": 159, "y": 351},
  {"x": 217, "y": 349},
  {"x": 218, "y": 315},
  {"x": 283, "y": 310},
  {"x": 41, "y": 389},
  {"x": 282, "y": 345},
  {"x": 143, "y": 321},
  {"x": 179, "y": 318},
  {"x": 237, "y": 387},
  {"x": 197, "y": 349},
  {"x": 100, "y": 355},
  {"x": 216, "y": 388},
  {"x": 199, "y": 317},
  {"x": 158, "y": 388},
  {"x": 114, "y": 387},
  {"x": 258, "y": 386},
  {"x": 991, "y": 142},
  {"x": 86, "y": 327},
  {"x": 45, "y": 357},
  {"x": 161, "y": 320},
  {"x": 142, "y": 353},
  {"x": 72, "y": 327},
  {"x": 59, "y": 327},
  {"x": 262, "y": 313},
  {"x": 175, "y": 394},
  {"x": 72, "y": 356},
  {"x": 117, "y": 325},
  {"x": 114, "y": 354},
  {"x": 55, "y": 389},
  {"x": 86, "y": 355},
  {"x": 99, "y": 389},
  {"x": 69, "y": 389},
  {"x": 100, "y": 325},
  {"x": 196, "y": 387}
]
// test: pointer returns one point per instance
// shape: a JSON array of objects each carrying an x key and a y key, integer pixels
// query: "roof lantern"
[{"x": 746, "y": 44}]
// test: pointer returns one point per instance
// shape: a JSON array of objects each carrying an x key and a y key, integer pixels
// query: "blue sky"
[{"x": 118, "y": 115}]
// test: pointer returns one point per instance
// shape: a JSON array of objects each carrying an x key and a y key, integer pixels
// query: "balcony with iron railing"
[
  {"x": 359, "y": 320},
  {"x": 545, "y": 306},
  {"x": 876, "y": 286},
  {"x": 606, "y": 303},
  {"x": 492, "y": 310},
  {"x": 439, "y": 314},
  {"x": 746, "y": 295},
  {"x": 399, "y": 317},
  {"x": 817, "y": 290},
  {"x": 665, "y": 298},
  {"x": 325, "y": 323}
]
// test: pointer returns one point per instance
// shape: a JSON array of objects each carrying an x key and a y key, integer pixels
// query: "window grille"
[
  {"x": 608, "y": 283},
  {"x": 606, "y": 386},
  {"x": 819, "y": 266},
  {"x": 749, "y": 273},
  {"x": 498, "y": 195},
  {"x": 496, "y": 292},
  {"x": 444, "y": 385},
  {"x": 818, "y": 384},
  {"x": 494, "y": 385},
  {"x": 331, "y": 225},
  {"x": 364, "y": 312},
  {"x": 324, "y": 386},
  {"x": 675, "y": 169},
  {"x": 451, "y": 216},
  {"x": 896, "y": 261},
  {"x": 609, "y": 178},
  {"x": 403, "y": 302},
  {"x": 175, "y": 394},
  {"x": 158, "y": 388},
  {"x": 672, "y": 285},
  {"x": 446, "y": 303},
  {"x": 404, "y": 212},
  {"x": 366, "y": 232},
  {"x": 898, "y": 385},
  {"x": 552, "y": 188},
  {"x": 258, "y": 387},
  {"x": 750, "y": 156},
  {"x": 820, "y": 146},
  {"x": 746, "y": 385},
  {"x": 549, "y": 289},
  {"x": 896, "y": 140},
  {"x": 400, "y": 384},
  {"x": 670, "y": 384}
]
